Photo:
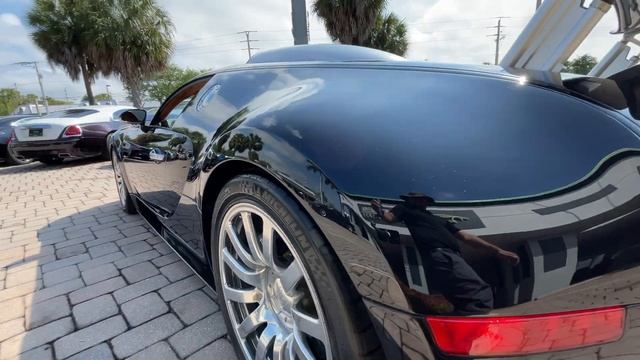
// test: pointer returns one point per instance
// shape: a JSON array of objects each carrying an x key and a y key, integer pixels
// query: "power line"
[{"x": 44, "y": 98}]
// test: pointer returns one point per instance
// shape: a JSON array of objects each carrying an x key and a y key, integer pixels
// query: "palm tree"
[
  {"x": 389, "y": 34},
  {"x": 138, "y": 40},
  {"x": 64, "y": 31},
  {"x": 349, "y": 21}
]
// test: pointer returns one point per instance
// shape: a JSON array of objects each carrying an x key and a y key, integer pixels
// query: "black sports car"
[
  {"x": 345, "y": 203},
  {"x": 7, "y": 155}
]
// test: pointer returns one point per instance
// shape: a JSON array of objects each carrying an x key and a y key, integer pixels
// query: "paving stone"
[
  {"x": 157, "y": 351},
  {"x": 65, "y": 262},
  {"x": 106, "y": 259},
  {"x": 47, "y": 311},
  {"x": 53, "y": 291},
  {"x": 176, "y": 271},
  {"x": 44, "y": 352},
  {"x": 61, "y": 275},
  {"x": 97, "y": 274},
  {"x": 11, "y": 328},
  {"x": 165, "y": 260},
  {"x": 20, "y": 290},
  {"x": 136, "y": 248},
  {"x": 11, "y": 309},
  {"x": 140, "y": 288},
  {"x": 163, "y": 248},
  {"x": 219, "y": 349},
  {"x": 94, "y": 310},
  {"x": 144, "y": 335},
  {"x": 89, "y": 336},
  {"x": 21, "y": 277},
  {"x": 70, "y": 251},
  {"x": 181, "y": 287},
  {"x": 144, "y": 308},
  {"x": 103, "y": 249},
  {"x": 98, "y": 352},
  {"x": 132, "y": 260},
  {"x": 139, "y": 272},
  {"x": 194, "y": 337},
  {"x": 97, "y": 289},
  {"x": 36, "y": 337},
  {"x": 193, "y": 307}
]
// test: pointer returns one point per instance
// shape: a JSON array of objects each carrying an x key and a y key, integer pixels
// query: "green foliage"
[
  {"x": 10, "y": 99},
  {"x": 580, "y": 65},
  {"x": 161, "y": 84},
  {"x": 99, "y": 97},
  {"x": 129, "y": 38},
  {"x": 53, "y": 101},
  {"x": 389, "y": 34},
  {"x": 363, "y": 23},
  {"x": 349, "y": 21}
]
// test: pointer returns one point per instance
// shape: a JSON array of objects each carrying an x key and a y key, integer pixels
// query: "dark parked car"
[
  {"x": 7, "y": 155},
  {"x": 71, "y": 133},
  {"x": 473, "y": 213}
]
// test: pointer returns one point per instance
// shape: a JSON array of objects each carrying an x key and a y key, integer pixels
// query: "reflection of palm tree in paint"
[{"x": 323, "y": 179}]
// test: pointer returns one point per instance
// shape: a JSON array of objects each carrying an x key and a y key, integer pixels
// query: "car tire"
[
  {"x": 53, "y": 160},
  {"x": 106, "y": 154},
  {"x": 334, "y": 323},
  {"x": 14, "y": 159},
  {"x": 126, "y": 201}
]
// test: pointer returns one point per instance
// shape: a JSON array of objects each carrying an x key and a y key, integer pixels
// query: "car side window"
[{"x": 177, "y": 103}]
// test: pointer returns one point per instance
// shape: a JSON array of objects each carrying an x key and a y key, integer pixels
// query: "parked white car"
[{"x": 71, "y": 133}]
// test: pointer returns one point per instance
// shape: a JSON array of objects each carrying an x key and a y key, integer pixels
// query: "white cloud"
[
  {"x": 10, "y": 19},
  {"x": 207, "y": 36}
]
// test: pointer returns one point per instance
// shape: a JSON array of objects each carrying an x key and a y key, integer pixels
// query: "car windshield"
[{"x": 70, "y": 113}]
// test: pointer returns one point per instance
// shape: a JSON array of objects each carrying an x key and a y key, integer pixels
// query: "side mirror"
[{"x": 137, "y": 116}]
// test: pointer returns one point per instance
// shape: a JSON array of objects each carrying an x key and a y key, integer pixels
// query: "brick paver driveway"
[{"x": 80, "y": 279}]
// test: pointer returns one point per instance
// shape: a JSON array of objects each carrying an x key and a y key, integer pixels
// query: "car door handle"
[{"x": 156, "y": 155}]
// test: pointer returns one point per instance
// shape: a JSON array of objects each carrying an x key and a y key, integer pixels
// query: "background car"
[
  {"x": 7, "y": 154},
  {"x": 71, "y": 133},
  {"x": 246, "y": 182}
]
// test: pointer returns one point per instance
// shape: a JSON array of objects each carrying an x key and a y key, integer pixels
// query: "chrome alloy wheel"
[
  {"x": 122, "y": 189},
  {"x": 272, "y": 303}
]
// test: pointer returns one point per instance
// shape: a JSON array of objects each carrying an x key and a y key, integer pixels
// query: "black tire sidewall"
[
  {"x": 128, "y": 205},
  {"x": 307, "y": 243}
]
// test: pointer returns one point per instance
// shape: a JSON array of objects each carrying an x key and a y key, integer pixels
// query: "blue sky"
[{"x": 206, "y": 35}]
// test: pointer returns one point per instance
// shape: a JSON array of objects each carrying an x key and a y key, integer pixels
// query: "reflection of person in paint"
[{"x": 436, "y": 240}]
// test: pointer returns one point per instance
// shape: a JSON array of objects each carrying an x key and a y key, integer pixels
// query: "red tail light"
[
  {"x": 73, "y": 130},
  {"x": 519, "y": 335}
]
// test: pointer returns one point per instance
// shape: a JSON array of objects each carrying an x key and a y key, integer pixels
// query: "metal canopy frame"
[{"x": 560, "y": 26}]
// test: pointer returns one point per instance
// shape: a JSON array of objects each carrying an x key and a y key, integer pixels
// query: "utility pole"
[
  {"x": 300, "y": 22},
  {"x": 44, "y": 98},
  {"x": 499, "y": 37},
  {"x": 248, "y": 34},
  {"x": 66, "y": 95},
  {"x": 108, "y": 93}
]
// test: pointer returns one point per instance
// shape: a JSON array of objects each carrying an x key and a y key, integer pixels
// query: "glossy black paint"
[{"x": 529, "y": 168}]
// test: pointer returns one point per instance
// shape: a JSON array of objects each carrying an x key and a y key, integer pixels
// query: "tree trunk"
[
  {"x": 87, "y": 83},
  {"x": 135, "y": 93}
]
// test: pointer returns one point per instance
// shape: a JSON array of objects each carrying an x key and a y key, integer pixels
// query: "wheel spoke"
[
  {"x": 267, "y": 242},
  {"x": 251, "y": 236},
  {"x": 251, "y": 322},
  {"x": 243, "y": 254},
  {"x": 242, "y": 296},
  {"x": 291, "y": 276},
  {"x": 242, "y": 272},
  {"x": 266, "y": 340},
  {"x": 308, "y": 325},
  {"x": 281, "y": 348},
  {"x": 300, "y": 349}
]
